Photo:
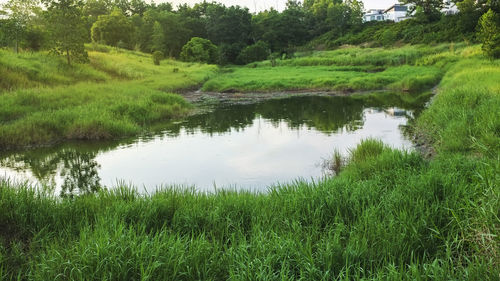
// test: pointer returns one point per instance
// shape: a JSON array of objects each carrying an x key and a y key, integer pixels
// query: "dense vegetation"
[
  {"x": 240, "y": 37},
  {"x": 388, "y": 214}
]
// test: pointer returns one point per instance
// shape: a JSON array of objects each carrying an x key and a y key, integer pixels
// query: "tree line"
[{"x": 208, "y": 31}]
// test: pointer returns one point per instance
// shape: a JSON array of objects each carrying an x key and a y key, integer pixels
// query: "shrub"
[
  {"x": 199, "y": 50},
  {"x": 228, "y": 53},
  {"x": 257, "y": 52},
  {"x": 157, "y": 57}
]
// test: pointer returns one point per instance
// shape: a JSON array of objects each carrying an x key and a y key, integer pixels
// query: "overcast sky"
[{"x": 266, "y": 4}]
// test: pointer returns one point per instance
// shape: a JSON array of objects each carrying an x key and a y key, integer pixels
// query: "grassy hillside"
[
  {"x": 353, "y": 68},
  {"x": 117, "y": 94},
  {"x": 389, "y": 215}
]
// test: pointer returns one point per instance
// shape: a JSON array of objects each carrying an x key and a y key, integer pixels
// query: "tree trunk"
[{"x": 68, "y": 57}]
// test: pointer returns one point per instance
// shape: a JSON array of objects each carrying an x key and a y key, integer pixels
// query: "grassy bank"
[
  {"x": 410, "y": 68},
  {"x": 119, "y": 93},
  {"x": 465, "y": 116},
  {"x": 389, "y": 215}
]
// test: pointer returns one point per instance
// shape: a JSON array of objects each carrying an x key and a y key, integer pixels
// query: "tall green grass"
[
  {"x": 118, "y": 94},
  {"x": 26, "y": 70},
  {"x": 389, "y": 214},
  {"x": 84, "y": 111},
  {"x": 402, "y": 78},
  {"x": 352, "y": 55},
  {"x": 409, "y": 68},
  {"x": 465, "y": 115}
]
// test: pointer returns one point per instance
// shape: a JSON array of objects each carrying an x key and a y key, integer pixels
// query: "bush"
[
  {"x": 199, "y": 50},
  {"x": 257, "y": 52},
  {"x": 489, "y": 34},
  {"x": 228, "y": 53},
  {"x": 157, "y": 57},
  {"x": 34, "y": 38},
  {"x": 450, "y": 28}
]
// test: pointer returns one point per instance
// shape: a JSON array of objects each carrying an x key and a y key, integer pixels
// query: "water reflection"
[
  {"x": 74, "y": 171},
  {"x": 250, "y": 146},
  {"x": 325, "y": 114},
  {"x": 80, "y": 173}
]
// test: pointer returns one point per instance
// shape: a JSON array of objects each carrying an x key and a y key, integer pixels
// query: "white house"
[
  {"x": 450, "y": 8},
  {"x": 399, "y": 12},
  {"x": 396, "y": 13},
  {"x": 374, "y": 15}
]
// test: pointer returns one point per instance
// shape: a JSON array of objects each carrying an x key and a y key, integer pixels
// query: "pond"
[{"x": 236, "y": 146}]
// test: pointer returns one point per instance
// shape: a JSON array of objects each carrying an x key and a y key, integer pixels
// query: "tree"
[
  {"x": 430, "y": 9},
  {"x": 158, "y": 37},
  {"x": 282, "y": 31},
  {"x": 489, "y": 33},
  {"x": 256, "y": 52},
  {"x": 229, "y": 28},
  {"x": 20, "y": 14},
  {"x": 80, "y": 174},
  {"x": 67, "y": 29},
  {"x": 157, "y": 57},
  {"x": 469, "y": 15},
  {"x": 199, "y": 50},
  {"x": 343, "y": 16},
  {"x": 95, "y": 8},
  {"x": 113, "y": 28}
]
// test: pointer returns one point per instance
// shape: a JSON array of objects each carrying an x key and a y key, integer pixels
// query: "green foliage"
[
  {"x": 19, "y": 25},
  {"x": 274, "y": 28},
  {"x": 489, "y": 33},
  {"x": 158, "y": 37},
  {"x": 256, "y": 52},
  {"x": 229, "y": 28},
  {"x": 429, "y": 10},
  {"x": 157, "y": 57},
  {"x": 67, "y": 29},
  {"x": 34, "y": 39},
  {"x": 228, "y": 25},
  {"x": 163, "y": 31},
  {"x": 111, "y": 29},
  {"x": 469, "y": 15},
  {"x": 344, "y": 16},
  {"x": 452, "y": 28},
  {"x": 199, "y": 50}
]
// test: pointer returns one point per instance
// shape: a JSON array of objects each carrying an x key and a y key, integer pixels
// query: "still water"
[{"x": 251, "y": 146}]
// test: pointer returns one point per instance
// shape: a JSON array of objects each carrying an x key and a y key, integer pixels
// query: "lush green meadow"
[
  {"x": 118, "y": 94},
  {"x": 409, "y": 68},
  {"x": 388, "y": 215}
]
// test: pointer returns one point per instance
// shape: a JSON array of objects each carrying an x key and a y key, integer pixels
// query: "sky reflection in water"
[{"x": 239, "y": 146}]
